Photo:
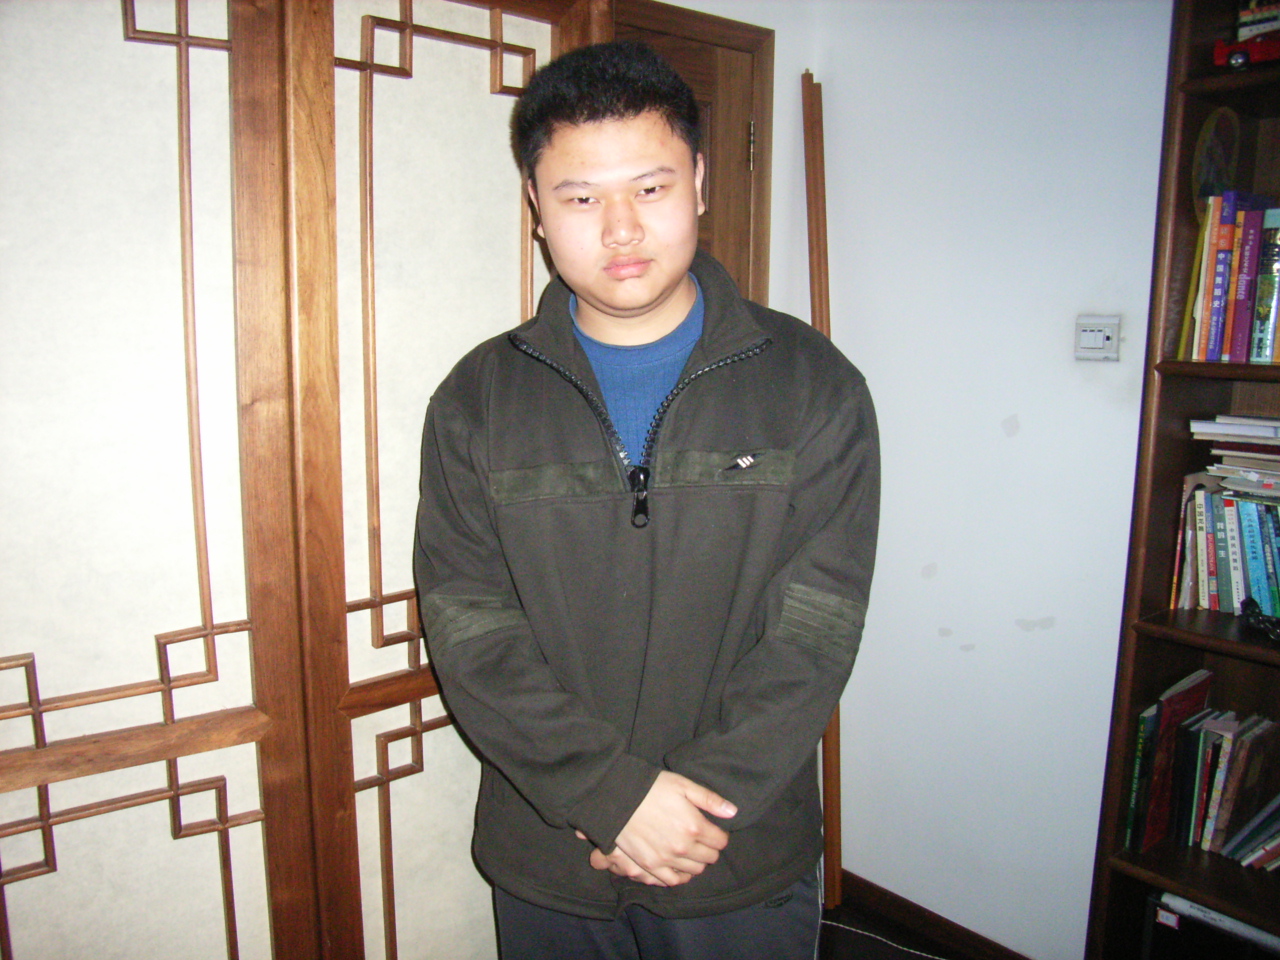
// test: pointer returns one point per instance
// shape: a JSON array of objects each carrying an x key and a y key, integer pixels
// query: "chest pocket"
[{"x": 713, "y": 468}]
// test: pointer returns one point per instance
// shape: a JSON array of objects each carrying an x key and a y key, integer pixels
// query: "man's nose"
[{"x": 622, "y": 226}]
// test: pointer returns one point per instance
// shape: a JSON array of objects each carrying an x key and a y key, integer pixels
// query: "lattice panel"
[
  {"x": 415, "y": 803},
  {"x": 102, "y": 849},
  {"x": 121, "y": 550},
  {"x": 122, "y": 538},
  {"x": 434, "y": 255}
]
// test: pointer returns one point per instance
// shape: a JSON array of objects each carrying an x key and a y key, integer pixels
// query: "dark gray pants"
[{"x": 784, "y": 927}]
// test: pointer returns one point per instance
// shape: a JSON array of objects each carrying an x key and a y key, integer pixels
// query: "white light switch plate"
[{"x": 1097, "y": 337}]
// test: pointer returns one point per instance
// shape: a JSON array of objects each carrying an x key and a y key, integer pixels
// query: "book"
[
  {"x": 1226, "y": 744},
  {"x": 1262, "y": 458},
  {"x": 1265, "y": 853},
  {"x": 1257, "y": 830},
  {"x": 1212, "y": 732},
  {"x": 1222, "y": 562},
  {"x": 1204, "y": 284},
  {"x": 1239, "y": 792},
  {"x": 1235, "y": 929},
  {"x": 1187, "y": 341},
  {"x": 1180, "y": 701},
  {"x": 1266, "y": 523},
  {"x": 1251, "y": 427},
  {"x": 1254, "y": 551},
  {"x": 1206, "y": 558},
  {"x": 1186, "y": 758},
  {"x": 1232, "y": 345},
  {"x": 1143, "y": 751},
  {"x": 1266, "y": 288},
  {"x": 1183, "y": 592},
  {"x": 1249, "y": 238},
  {"x": 1222, "y": 235},
  {"x": 1235, "y": 553}
]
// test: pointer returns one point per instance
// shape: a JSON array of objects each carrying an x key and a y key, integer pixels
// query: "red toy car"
[{"x": 1254, "y": 50}]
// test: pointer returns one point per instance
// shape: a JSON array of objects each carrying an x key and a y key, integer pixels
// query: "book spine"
[
  {"x": 1138, "y": 782},
  {"x": 1215, "y": 791},
  {"x": 1222, "y": 563},
  {"x": 1246, "y": 271},
  {"x": 1187, "y": 338},
  {"x": 1265, "y": 522},
  {"x": 1255, "y": 564},
  {"x": 1235, "y": 557},
  {"x": 1265, "y": 285},
  {"x": 1208, "y": 261},
  {"x": 1224, "y": 242},
  {"x": 1229, "y": 326},
  {"x": 1208, "y": 589},
  {"x": 1204, "y": 774}
]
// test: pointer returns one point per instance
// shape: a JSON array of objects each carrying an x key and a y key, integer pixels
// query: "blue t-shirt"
[{"x": 636, "y": 379}]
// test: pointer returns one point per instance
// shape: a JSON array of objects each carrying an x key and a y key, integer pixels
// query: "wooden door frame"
[
  {"x": 758, "y": 41},
  {"x": 287, "y": 333}
]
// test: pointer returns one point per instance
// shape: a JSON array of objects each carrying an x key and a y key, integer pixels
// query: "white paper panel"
[
  {"x": 124, "y": 889},
  {"x": 446, "y": 267},
  {"x": 444, "y": 908},
  {"x": 98, "y": 546}
]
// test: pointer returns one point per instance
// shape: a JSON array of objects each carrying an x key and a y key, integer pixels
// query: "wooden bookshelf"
[{"x": 1159, "y": 646}]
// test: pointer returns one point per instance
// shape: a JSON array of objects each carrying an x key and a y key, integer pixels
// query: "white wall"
[{"x": 991, "y": 173}]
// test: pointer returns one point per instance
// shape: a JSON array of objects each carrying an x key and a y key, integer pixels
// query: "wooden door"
[
  {"x": 152, "y": 723},
  {"x": 236, "y": 265},
  {"x": 729, "y": 65}
]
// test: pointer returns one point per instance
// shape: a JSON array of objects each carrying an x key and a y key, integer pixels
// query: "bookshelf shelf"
[
  {"x": 1211, "y": 631},
  {"x": 1252, "y": 896},
  {"x": 1255, "y": 92},
  {"x": 1254, "y": 372},
  {"x": 1160, "y": 646}
]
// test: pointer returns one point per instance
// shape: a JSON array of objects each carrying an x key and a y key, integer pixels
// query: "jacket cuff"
[{"x": 603, "y": 813}]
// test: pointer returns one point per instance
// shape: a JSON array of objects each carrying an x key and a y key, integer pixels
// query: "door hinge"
[{"x": 751, "y": 146}]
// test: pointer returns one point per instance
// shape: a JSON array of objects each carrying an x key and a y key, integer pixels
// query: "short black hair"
[{"x": 604, "y": 81}]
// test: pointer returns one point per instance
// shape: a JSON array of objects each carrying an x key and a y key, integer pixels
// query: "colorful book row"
[
  {"x": 1231, "y": 310},
  {"x": 1229, "y": 548},
  {"x": 1203, "y": 777}
]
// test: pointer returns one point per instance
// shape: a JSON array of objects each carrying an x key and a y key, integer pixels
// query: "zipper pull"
[{"x": 639, "y": 477}]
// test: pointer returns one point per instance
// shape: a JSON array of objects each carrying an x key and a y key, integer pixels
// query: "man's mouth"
[{"x": 624, "y": 268}]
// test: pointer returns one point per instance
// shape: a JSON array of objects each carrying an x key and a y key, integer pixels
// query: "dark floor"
[{"x": 852, "y": 934}]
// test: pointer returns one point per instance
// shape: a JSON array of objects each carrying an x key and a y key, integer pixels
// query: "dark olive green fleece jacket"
[{"x": 594, "y": 621}]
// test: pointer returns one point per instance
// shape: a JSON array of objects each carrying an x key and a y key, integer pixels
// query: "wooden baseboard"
[{"x": 866, "y": 895}]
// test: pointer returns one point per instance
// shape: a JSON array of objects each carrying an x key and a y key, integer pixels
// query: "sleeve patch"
[
  {"x": 449, "y": 621},
  {"x": 821, "y": 621}
]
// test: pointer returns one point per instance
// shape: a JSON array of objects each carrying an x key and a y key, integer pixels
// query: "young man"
[{"x": 644, "y": 549}]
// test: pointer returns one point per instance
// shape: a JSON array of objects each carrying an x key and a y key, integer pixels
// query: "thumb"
[{"x": 707, "y": 799}]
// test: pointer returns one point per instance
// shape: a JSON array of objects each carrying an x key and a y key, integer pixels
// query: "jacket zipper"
[{"x": 637, "y": 474}]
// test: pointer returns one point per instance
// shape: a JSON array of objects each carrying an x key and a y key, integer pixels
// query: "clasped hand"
[{"x": 668, "y": 841}]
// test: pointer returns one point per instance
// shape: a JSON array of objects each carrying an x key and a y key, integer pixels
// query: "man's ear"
[
  {"x": 699, "y": 173},
  {"x": 533, "y": 199}
]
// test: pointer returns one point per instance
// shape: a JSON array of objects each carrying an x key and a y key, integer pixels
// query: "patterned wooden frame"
[{"x": 46, "y": 761}]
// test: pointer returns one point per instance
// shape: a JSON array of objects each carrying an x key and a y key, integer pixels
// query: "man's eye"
[
  {"x": 650, "y": 191},
  {"x": 580, "y": 201}
]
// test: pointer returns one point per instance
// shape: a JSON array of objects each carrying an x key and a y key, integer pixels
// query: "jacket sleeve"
[
  {"x": 571, "y": 767},
  {"x": 781, "y": 694}
]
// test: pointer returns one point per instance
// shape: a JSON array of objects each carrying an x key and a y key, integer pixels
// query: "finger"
[
  {"x": 619, "y": 864},
  {"x": 580, "y": 835},
  {"x": 704, "y": 798},
  {"x": 671, "y": 877}
]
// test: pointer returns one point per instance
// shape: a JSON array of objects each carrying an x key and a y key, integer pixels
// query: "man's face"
[{"x": 619, "y": 203}]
